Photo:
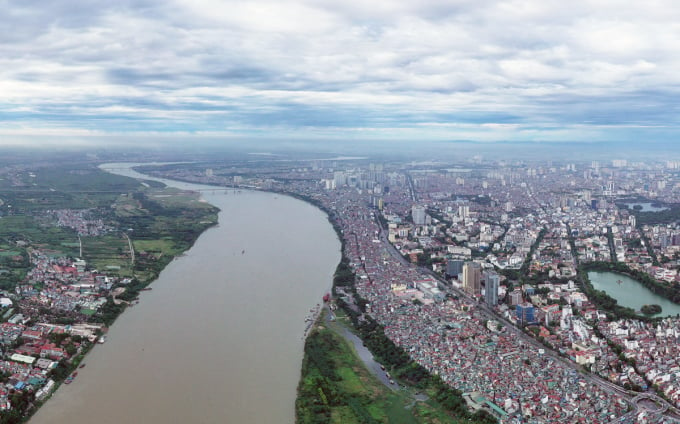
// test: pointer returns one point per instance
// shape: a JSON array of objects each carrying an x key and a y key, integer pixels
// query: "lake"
[
  {"x": 646, "y": 207},
  {"x": 630, "y": 292}
]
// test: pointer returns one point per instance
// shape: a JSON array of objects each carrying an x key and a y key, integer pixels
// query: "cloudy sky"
[{"x": 484, "y": 70}]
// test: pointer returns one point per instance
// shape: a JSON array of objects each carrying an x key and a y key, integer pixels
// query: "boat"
[
  {"x": 326, "y": 297},
  {"x": 102, "y": 339},
  {"x": 75, "y": 374},
  {"x": 619, "y": 281},
  {"x": 82, "y": 366}
]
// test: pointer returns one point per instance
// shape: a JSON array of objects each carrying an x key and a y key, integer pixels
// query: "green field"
[
  {"x": 17, "y": 229},
  {"x": 164, "y": 246},
  {"x": 64, "y": 186},
  {"x": 337, "y": 388},
  {"x": 161, "y": 222},
  {"x": 104, "y": 252}
]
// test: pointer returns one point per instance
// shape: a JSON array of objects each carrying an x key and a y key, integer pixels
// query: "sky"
[{"x": 477, "y": 70}]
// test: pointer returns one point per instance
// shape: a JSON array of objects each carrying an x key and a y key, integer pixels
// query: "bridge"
[{"x": 216, "y": 190}]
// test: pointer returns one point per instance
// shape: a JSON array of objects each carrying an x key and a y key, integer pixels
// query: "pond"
[
  {"x": 646, "y": 206},
  {"x": 631, "y": 293}
]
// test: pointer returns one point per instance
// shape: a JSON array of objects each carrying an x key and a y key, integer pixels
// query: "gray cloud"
[{"x": 481, "y": 70}]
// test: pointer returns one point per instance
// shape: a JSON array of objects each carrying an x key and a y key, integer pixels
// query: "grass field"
[
  {"x": 65, "y": 186},
  {"x": 24, "y": 228},
  {"x": 161, "y": 222},
  {"x": 164, "y": 246},
  {"x": 104, "y": 252}
]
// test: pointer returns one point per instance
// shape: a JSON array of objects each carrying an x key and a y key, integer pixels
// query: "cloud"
[{"x": 438, "y": 69}]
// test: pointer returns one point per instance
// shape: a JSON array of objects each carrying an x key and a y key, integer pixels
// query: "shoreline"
[
  {"x": 650, "y": 284},
  {"x": 303, "y": 198},
  {"x": 657, "y": 316},
  {"x": 312, "y": 314},
  {"x": 437, "y": 384},
  {"x": 144, "y": 286}
]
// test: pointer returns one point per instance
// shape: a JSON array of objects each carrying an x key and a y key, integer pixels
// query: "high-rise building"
[
  {"x": 525, "y": 313},
  {"x": 491, "y": 283},
  {"x": 454, "y": 267},
  {"x": 551, "y": 314},
  {"x": 515, "y": 297},
  {"x": 464, "y": 211},
  {"x": 472, "y": 278},
  {"x": 339, "y": 178},
  {"x": 676, "y": 239},
  {"x": 418, "y": 214}
]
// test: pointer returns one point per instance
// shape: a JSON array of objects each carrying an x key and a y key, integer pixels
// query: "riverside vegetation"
[
  {"x": 158, "y": 222},
  {"x": 336, "y": 387}
]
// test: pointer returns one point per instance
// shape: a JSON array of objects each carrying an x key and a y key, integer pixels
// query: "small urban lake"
[
  {"x": 631, "y": 293},
  {"x": 646, "y": 206}
]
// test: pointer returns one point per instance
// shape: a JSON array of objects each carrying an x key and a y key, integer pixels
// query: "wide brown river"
[{"x": 219, "y": 338}]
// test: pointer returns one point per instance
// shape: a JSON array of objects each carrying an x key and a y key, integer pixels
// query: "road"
[
  {"x": 633, "y": 398},
  {"x": 132, "y": 249}
]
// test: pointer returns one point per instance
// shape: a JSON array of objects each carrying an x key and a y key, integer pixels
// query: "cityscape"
[
  {"x": 482, "y": 272},
  {"x": 538, "y": 291},
  {"x": 323, "y": 212}
]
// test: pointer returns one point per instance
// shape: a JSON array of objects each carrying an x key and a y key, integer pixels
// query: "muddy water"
[{"x": 219, "y": 338}]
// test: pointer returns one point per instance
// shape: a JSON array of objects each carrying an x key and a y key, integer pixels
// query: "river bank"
[
  {"x": 80, "y": 263},
  {"x": 342, "y": 383},
  {"x": 207, "y": 331}
]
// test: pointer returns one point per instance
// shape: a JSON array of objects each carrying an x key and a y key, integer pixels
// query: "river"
[
  {"x": 630, "y": 292},
  {"x": 219, "y": 339}
]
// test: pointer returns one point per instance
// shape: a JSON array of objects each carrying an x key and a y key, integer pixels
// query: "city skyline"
[{"x": 167, "y": 72}]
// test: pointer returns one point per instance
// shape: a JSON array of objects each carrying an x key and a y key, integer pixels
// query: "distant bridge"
[{"x": 215, "y": 190}]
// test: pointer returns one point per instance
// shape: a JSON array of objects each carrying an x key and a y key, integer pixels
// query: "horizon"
[{"x": 200, "y": 150}]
